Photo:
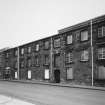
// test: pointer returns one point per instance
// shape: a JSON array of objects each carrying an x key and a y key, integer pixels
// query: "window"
[
  {"x": 101, "y": 53},
  {"x": 101, "y": 72},
  {"x": 7, "y": 55},
  {"x": 16, "y": 64},
  {"x": 69, "y": 73},
  {"x": 84, "y": 55},
  {"x": 57, "y": 61},
  {"x": 37, "y": 47},
  {"x": 29, "y": 49},
  {"x": 16, "y": 52},
  {"x": 21, "y": 64},
  {"x": 84, "y": 35},
  {"x": 36, "y": 60},
  {"x": 101, "y": 31},
  {"x": 57, "y": 42},
  {"x": 69, "y": 57},
  {"x": 22, "y": 51},
  {"x": 46, "y": 61},
  {"x": 29, "y": 62},
  {"x": 46, "y": 44},
  {"x": 29, "y": 74},
  {"x": 16, "y": 74},
  {"x": 47, "y": 74},
  {"x": 69, "y": 39}
]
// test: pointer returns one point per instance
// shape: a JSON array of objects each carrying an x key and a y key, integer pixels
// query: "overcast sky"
[{"x": 23, "y": 21}]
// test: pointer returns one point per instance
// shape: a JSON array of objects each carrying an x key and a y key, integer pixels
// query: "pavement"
[
  {"x": 58, "y": 84},
  {"x": 41, "y": 94},
  {"x": 5, "y": 100}
]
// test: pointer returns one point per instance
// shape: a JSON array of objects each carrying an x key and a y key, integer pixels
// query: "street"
[{"x": 52, "y": 95}]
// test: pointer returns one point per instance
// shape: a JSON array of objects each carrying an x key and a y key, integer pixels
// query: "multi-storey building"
[{"x": 75, "y": 55}]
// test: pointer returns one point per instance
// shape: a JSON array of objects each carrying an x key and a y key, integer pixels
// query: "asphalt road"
[{"x": 52, "y": 95}]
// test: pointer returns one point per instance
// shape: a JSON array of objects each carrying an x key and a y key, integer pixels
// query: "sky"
[{"x": 23, "y": 21}]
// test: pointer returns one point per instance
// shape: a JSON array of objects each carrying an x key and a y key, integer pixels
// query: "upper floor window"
[
  {"x": 69, "y": 57},
  {"x": 21, "y": 64},
  {"x": 84, "y": 35},
  {"x": 16, "y": 64},
  {"x": 101, "y": 53},
  {"x": 29, "y": 49},
  {"x": 7, "y": 55},
  {"x": 69, "y": 39},
  {"x": 37, "y": 47},
  {"x": 57, "y": 42},
  {"x": 22, "y": 51},
  {"x": 16, "y": 52},
  {"x": 29, "y": 62},
  {"x": 84, "y": 55},
  {"x": 46, "y": 44},
  {"x": 101, "y": 31},
  {"x": 46, "y": 59},
  {"x": 36, "y": 60}
]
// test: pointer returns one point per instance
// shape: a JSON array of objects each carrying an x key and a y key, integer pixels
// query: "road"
[{"x": 52, "y": 95}]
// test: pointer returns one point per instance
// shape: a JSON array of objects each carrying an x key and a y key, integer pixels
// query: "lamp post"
[{"x": 92, "y": 53}]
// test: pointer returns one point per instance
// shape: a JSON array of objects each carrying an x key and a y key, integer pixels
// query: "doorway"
[{"x": 57, "y": 76}]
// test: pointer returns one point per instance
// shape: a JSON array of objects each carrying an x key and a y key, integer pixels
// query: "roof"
[{"x": 83, "y": 24}]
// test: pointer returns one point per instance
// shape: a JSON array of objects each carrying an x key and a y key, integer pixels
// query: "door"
[{"x": 57, "y": 76}]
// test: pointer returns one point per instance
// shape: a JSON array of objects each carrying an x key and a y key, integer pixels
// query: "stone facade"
[{"x": 65, "y": 57}]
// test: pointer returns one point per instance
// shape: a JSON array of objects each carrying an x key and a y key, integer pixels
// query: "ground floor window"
[
  {"x": 16, "y": 74},
  {"x": 29, "y": 74},
  {"x": 47, "y": 74},
  {"x": 101, "y": 72},
  {"x": 69, "y": 73}
]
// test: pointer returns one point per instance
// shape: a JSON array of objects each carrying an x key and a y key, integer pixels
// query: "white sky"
[{"x": 23, "y": 21}]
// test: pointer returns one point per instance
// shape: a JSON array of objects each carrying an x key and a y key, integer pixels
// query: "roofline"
[{"x": 83, "y": 24}]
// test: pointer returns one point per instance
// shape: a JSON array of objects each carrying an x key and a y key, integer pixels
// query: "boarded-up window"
[
  {"x": 29, "y": 74},
  {"x": 69, "y": 39},
  {"x": 101, "y": 72},
  {"x": 84, "y": 55},
  {"x": 70, "y": 73},
  {"x": 101, "y": 31},
  {"x": 47, "y": 74},
  {"x": 84, "y": 35},
  {"x": 16, "y": 74}
]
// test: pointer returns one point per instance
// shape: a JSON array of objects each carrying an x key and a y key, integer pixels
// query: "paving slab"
[{"x": 5, "y": 100}]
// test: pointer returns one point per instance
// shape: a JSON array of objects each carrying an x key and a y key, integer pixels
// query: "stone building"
[{"x": 76, "y": 55}]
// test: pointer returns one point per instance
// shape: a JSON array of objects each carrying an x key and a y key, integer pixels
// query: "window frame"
[
  {"x": 83, "y": 57},
  {"x": 37, "y": 47},
  {"x": 22, "y": 51},
  {"x": 29, "y": 49},
  {"x": 69, "y": 40},
  {"x": 48, "y": 44},
  {"x": 102, "y": 32},
  {"x": 69, "y": 57},
  {"x": 57, "y": 44},
  {"x": 102, "y": 53},
  {"x": 82, "y": 36}
]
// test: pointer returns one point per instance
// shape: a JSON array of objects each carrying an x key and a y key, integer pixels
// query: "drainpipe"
[
  {"x": 51, "y": 53},
  {"x": 92, "y": 53},
  {"x": 18, "y": 63}
]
